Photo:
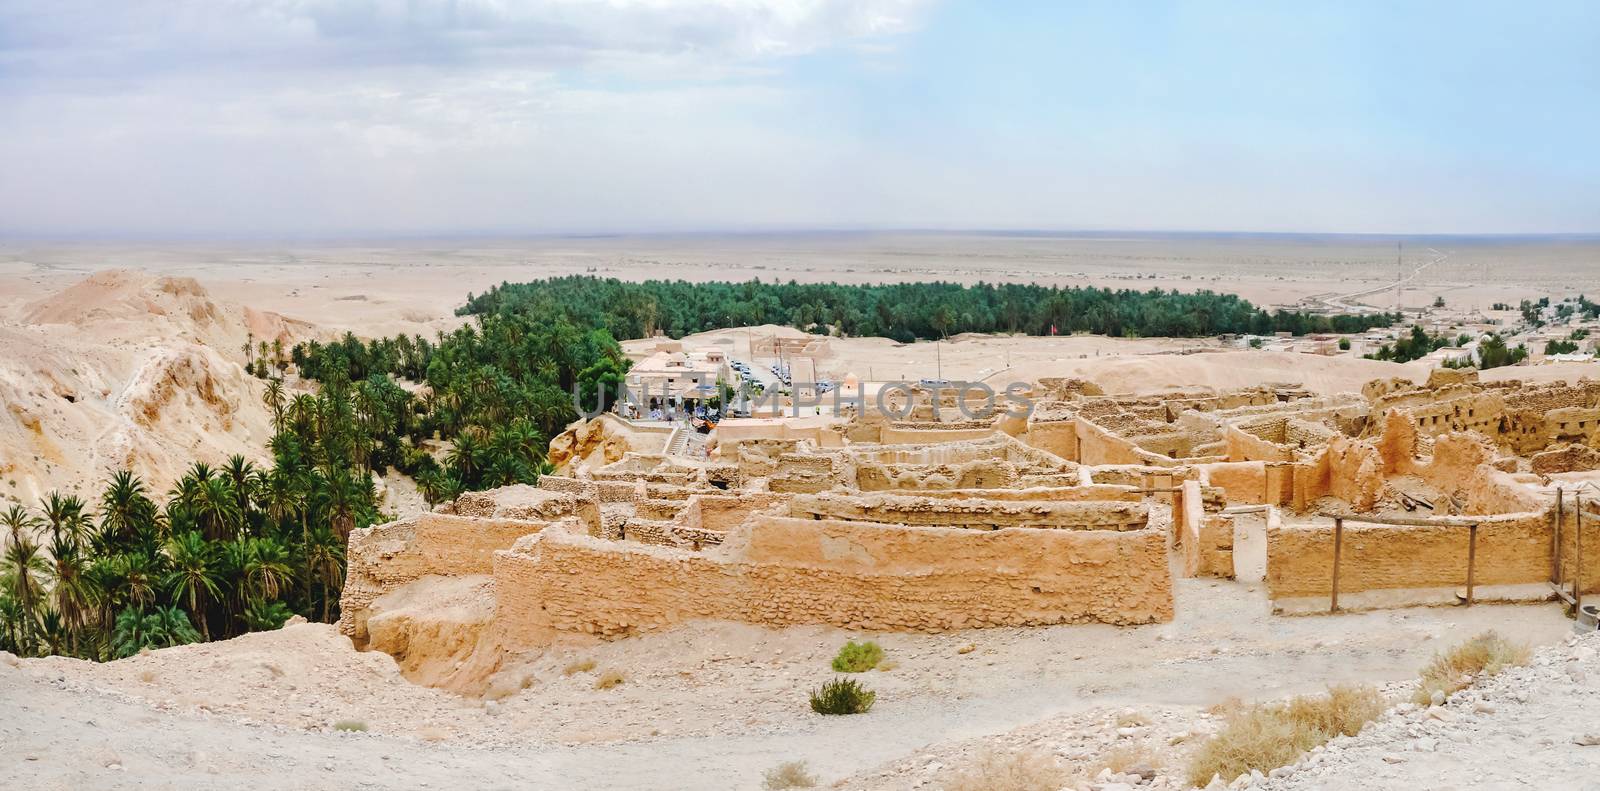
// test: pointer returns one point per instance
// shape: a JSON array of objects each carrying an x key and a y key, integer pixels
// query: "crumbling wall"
[
  {"x": 920, "y": 477},
  {"x": 385, "y": 557},
  {"x": 790, "y": 571},
  {"x": 972, "y": 513},
  {"x": 1097, "y": 446},
  {"x": 1566, "y": 458},
  {"x": 1355, "y": 472},
  {"x": 897, "y": 435},
  {"x": 1244, "y": 446}
]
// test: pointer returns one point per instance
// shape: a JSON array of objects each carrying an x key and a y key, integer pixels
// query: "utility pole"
[
  {"x": 938, "y": 350},
  {"x": 1399, "y": 276}
]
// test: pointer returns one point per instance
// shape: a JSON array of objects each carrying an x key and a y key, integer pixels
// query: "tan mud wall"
[
  {"x": 915, "y": 477},
  {"x": 790, "y": 571},
  {"x": 1244, "y": 446},
  {"x": 721, "y": 513},
  {"x": 971, "y": 513},
  {"x": 1241, "y": 482},
  {"x": 1097, "y": 446},
  {"x": 1045, "y": 493},
  {"x": 384, "y": 557},
  {"x": 1059, "y": 437},
  {"x": 1512, "y": 550},
  {"x": 892, "y": 435}
]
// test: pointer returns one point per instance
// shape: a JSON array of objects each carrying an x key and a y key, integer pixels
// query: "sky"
[{"x": 414, "y": 117}]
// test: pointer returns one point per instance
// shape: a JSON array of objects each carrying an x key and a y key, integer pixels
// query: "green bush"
[
  {"x": 857, "y": 657},
  {"x": 842, "y": 696}
]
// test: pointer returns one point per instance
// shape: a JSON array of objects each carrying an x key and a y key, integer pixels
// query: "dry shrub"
[
  {"x": 1268, "y": 736},
  {"x": 148, "y": 676},
  {"x": 1025, "y": 771},
  {"x": 1131, "y": 719},
  {"x": 609, "y": 679},
  {"x": 887, "y": 665},
  {"x": 789, "y": 774},
  {"x": 350, "y": 726},
  {"x": 1480, "y": 657},
  {"x": 578, "y": 666},
  {"x": 1127, "y": 758}
]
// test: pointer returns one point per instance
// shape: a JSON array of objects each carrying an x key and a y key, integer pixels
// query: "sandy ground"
[{"x": 711, "y": 705}]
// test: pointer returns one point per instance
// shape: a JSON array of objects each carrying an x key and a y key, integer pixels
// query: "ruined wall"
[
  {"x": 920, "y": 477},
  {"x": 1566, "y": 458},
  {"x": 1210, "y": 552},
  {"x": 1512, "y": 549},
  {"x": 722, "y": 513},
  {"x": 972, "y": 513},
  {"x": 1097, "y": 446},
  {"x": 1074, "y": 493},
  {"x": 897, "y": 435},
  {"x": 384, "y": 557},
  {"x": 1354, "y": 472},
  {"x": 1242, "y": 445},
  {"x": 1241, "y": 482},
  {"x": 790, "y": 571},
  {"x": 1059, "y": 437}
]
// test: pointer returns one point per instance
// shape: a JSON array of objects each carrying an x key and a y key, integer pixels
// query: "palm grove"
[{"x": 241, "y": 546}]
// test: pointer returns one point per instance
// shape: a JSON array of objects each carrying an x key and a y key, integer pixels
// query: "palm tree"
[
  {"x": 192, "y": 577},
  {"x": 274, "y": 400},
  {"x": 264, "y": 616},
  {"x": 125, "y": 510},
  {"x": 138, "y": 577},
  {"x": 136, "y": 630},
  {"x": 266, "y": 567},
  {"x": 64, "y": 517},
  {"x": 25, "y": 571},
  {"x": 240, "y": 473},
  {"x": 74, "y": 594},
  {"x": 217, "y": 507},
  {"x": 325, "y": 560},
  {"x": 465, "y": 456},
  {"x": 341, "y": 494}
]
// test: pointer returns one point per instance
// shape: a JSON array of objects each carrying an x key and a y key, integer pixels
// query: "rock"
[
  {"x": 967, "y": 649},
  {"x": 1141, "y": 771},
  {"x": 1438, "y": 697},
  {"x": 294, "y": 620},
  {"x": 1393, "y": 758},
  {"x": 1589, "y": 739},
  {"x": 1425, "y": 745},
  {"x": 1483, "y": 708}
]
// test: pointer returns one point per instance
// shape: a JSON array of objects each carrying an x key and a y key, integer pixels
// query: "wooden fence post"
[{"x": 1338, "y": 541}]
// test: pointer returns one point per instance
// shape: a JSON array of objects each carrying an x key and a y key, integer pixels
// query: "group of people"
[{"x": 699, "y": 414}]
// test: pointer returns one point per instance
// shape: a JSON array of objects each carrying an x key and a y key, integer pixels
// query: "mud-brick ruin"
[{"x": 1090, "y": 509}]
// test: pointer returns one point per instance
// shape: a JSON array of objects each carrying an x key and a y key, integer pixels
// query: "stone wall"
[{"x": 781, "y": 571}]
